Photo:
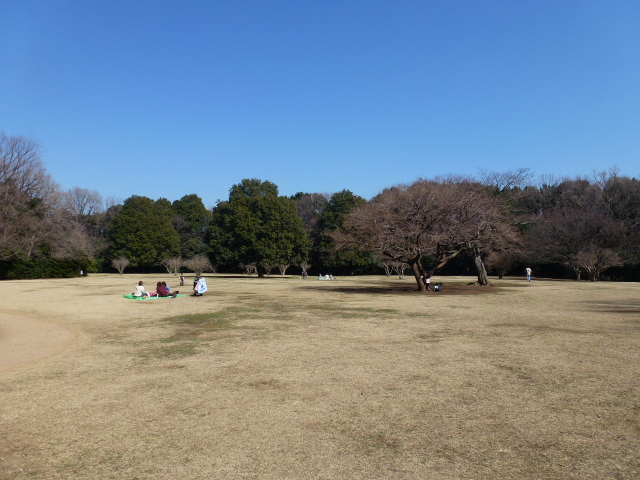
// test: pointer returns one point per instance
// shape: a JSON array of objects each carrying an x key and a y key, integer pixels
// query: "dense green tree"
[
  {"x": 327, "y": 256},
  {"x": 256, "y": 225},
  {"x": 163, "y": 207},
  {"x": 190, "y": 220},
  {"x": 143, "y": 232},
  {"x": 251, "y": 188},
  {"x": 192, "y": 210},
  {"x": 100, "y": 232}
]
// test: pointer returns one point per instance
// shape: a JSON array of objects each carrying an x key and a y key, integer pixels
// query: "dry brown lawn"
[{"x": 283, "y": 378}]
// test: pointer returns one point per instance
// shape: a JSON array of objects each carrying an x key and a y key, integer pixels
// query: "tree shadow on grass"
[
  {"x": 413, "y": 290},
  {"x": 632, "y": 306}
]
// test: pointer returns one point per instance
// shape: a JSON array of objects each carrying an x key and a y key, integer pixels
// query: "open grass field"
[{"x": 356, "y": 378}]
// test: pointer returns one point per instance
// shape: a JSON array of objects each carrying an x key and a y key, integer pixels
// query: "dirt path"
[{"x": 26, "y": 340}]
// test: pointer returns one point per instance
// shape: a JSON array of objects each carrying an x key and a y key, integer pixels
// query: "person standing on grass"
[
  {"x": 427, "y": 281},
  {"x": 528, "y": 270}
]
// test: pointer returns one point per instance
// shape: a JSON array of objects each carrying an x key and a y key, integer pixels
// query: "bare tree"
[
  {"x": 439, "y": 218},
  {"x": 310, "y": 206},
  {"x": 621, "y": 201},
  {"x": 25, "y": 187},
  {"x": 392, "y": 267},
  {"x": 283, "y": 268},
  {"x": 33, "y": 220},
  {"x": 268, "y": 268},
  {"x": 249, "y": 268},
  {"x": 583, "y": 239},
  {"x": 173, "y": 264},
  {"x": 112, "y": 201},
  {"x": 501, "y": 261},
  {"x": 305, "y": 266},
  {"x": 387, "y": 266},
  {"x": 398, "y": 223},
  {"x": 198, "y": 264},
  {"x": 17, "y": 221},
  {"x": 502, "y": 181},
  {"x": 120, "y": 264},
  {"x": 594, "y": 261},
  {"x": 33, "y": 227},
  {"x": 68, "y": 238},
  {"x": 399, "y": 268},
  {"x": 21, "y": 165},
  {"x": 82, "y": 202}
]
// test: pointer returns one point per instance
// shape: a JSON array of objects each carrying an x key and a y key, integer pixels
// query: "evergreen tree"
[
  {"x": 256, "y": 225},
  {"x": 326, "y": 256},
  {"x": 143, "y": 232},
  {"x": 190, "y": 221}
]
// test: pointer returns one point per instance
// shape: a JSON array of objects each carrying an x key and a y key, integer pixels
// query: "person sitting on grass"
[
  {"x": 163, "y": 290},
  {"x": 171, "y": 292},
  {"x": 140, "y": 291},
  {"x": 200, "y": 287}
]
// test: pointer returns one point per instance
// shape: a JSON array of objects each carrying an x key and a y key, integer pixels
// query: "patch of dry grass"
[{"x": 359, "y": 378}]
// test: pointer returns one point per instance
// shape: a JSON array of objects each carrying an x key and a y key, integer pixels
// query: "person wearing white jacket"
[{"x": 200, "y": 287}]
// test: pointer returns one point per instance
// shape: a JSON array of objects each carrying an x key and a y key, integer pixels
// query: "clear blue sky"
[{"x": 169, "y": 98}]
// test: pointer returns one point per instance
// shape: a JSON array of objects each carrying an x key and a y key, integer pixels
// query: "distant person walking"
[{"x": 528, "y": 270}]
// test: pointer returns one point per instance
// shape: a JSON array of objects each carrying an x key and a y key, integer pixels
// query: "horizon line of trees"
[{"x": 495, "y": 222}]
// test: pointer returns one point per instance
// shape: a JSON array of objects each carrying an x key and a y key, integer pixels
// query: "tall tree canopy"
[
  {"x": 584, "y": 225},
  {"x": 34, "y": 222},
  {"x": 587, "y": 241},
  {"x": 256, "y": 225},
  {"x": 310, "y": 207},
  {"x": 588, "y": 224},
  {"x": 436, "y": 218},
  {"x": 190, "y": 220},
  {"x": 327, "y": 255},
  {"x": 142, "y": 231}
]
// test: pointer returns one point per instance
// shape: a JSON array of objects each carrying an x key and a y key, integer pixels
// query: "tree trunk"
[
  {"x": 283, "y": 268},
  {"x": 576, "y": 270},
  {"x": 483, "y": 279},
  {"x": 415, "y": 266}
]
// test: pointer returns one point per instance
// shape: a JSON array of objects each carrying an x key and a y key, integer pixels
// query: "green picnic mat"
[{"x": 130, "y": 296}]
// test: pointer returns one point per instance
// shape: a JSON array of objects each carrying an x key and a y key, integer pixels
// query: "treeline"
[{"x": 496, "y": 223}]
